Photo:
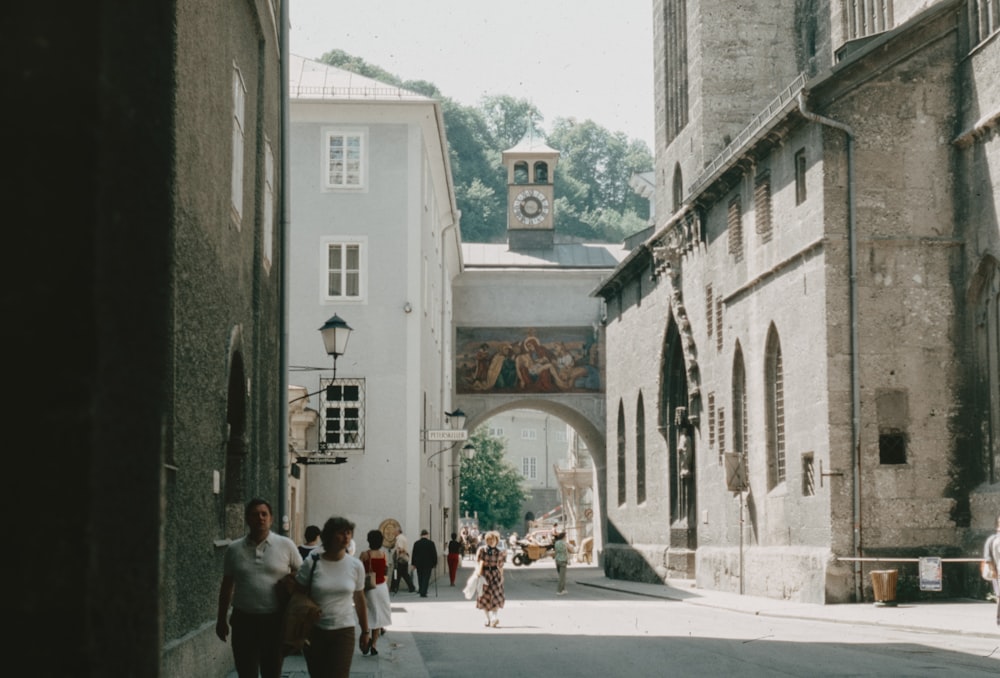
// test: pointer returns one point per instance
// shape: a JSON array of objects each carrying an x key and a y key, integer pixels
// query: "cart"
[{"x": 528, "y": 551}]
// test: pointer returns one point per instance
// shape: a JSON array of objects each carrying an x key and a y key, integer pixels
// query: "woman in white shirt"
[{"x": 336, "y": 581}]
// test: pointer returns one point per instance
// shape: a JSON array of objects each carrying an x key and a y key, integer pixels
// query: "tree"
[
  {"x": 593, "y": 199},
  {"x": 490, "y": 485}
]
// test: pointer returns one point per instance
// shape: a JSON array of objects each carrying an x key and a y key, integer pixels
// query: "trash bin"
[{"x": 884, "y": 587}]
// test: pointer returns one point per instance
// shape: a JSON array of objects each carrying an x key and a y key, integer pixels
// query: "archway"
[{"x": 580, "y": 492}]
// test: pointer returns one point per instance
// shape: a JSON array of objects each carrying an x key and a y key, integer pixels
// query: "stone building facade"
[
  {"x": 815, "y": 310},
  {"x": 147, "y": 209}
]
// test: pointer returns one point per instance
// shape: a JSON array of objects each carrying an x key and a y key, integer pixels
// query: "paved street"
[{"x": 605, "y": 628}]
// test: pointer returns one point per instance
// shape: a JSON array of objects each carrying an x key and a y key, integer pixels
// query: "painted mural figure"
[{"x": 562, "y": 361}]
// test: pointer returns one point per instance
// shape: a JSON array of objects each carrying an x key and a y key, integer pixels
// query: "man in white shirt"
[{"x": 252, "y": 566}]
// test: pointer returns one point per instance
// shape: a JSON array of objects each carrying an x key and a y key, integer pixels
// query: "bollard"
[{"x": 884, "y": 587}]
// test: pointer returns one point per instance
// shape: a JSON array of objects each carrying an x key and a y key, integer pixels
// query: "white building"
[{"x": 375, "y": 241}]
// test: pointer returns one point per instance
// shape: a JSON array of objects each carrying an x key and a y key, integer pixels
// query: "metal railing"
[{"x": 773, "y": 109}]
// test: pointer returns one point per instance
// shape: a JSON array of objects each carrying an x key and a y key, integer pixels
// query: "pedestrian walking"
[
  {"x": 489, "y": 565},
  {"x": 336, "y": 581},
  {"x": 425, "y": 557},
  {"x": 252, "y": 567},
  {"x": 454, "y": 556},
  {"x": 562, "y": 549},
  {"x": 991, "y": 554},
  {"x": 402, "y": 569},
  {"x": 379, "y": 605},
  {"x": 311, "y": 542}
]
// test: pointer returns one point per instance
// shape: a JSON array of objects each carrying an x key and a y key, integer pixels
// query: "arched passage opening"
[{"x": 560, "y": 454}]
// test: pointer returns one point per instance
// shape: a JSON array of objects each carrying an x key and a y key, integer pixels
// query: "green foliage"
[
  {"x": 593, "y": 199},
  {"x": 490, "y": 485}
]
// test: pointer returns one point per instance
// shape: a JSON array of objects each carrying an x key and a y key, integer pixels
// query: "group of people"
[{"x": 324, "y": 568}]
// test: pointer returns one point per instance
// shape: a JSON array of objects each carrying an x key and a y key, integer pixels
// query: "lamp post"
[{"x": 335, "y": 333}]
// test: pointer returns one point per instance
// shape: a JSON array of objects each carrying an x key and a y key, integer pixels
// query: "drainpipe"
[
  {"x": 283, "y": 211},
  {"x": 855, "y": 360}
]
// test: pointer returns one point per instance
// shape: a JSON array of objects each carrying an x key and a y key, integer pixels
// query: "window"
[
  {"x": 867, "y": 17},
  {"x": 541, "y": 172},
  {"x": 521, "y": 172},
  {"x": 343, "y": 269},
  {"x": 892, "y": 411},
  {"x": 529, "y": 434},
  {"x": 808, "y": 475},
  {"x": 762, "y": 207},
  {"x": 734, "y": 223},
  {"x": 344, "y": 160},
  {"x": 800, "y": 176},
  {"x": 774, "y": 392},
  {"x": 529, "y": 467},
  {"x": 984, "y": 19},
  {"x": 239, "y": 138},
  {"x": 496, "y": 432},
  {"x": 267, "y": 222},
  {"x": 741, "y": 430},
  {"x": 640, "y": 452},
  {"x": 708, "y": 308},
  {"x": 722, "y": 428},
  {"x": 675, "y": 66},
  {"x": 678, "y": 187},
  {"x": 719, "y": 307},
  {"x": 711, "y": 423},
  {"x": 343, "y": 405},
  {"x": 621, "y": 454}
]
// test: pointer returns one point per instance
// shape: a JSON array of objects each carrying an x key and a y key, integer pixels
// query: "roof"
[
  {"x": 312, "y": 80},
  {"x": 533, "y": 141},
  {"x": 559, "y": 256}
]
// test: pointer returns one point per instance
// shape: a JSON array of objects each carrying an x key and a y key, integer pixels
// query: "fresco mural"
[{"x": 543, "y": 360}]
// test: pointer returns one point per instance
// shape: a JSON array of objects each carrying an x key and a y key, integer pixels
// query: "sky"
[{"x": 583, "y": 59}]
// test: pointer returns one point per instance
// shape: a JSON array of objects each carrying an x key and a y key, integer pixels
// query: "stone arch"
[
  {"x": 478, "y": 412},
  {"x": 235, "y": 439}
]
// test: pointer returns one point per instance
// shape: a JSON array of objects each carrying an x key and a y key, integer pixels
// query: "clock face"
[{"x": 530, "y": 207}]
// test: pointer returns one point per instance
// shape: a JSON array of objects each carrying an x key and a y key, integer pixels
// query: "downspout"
[
  {"x": 855, "y": 360},
  {"x": 284, "y": 220}
]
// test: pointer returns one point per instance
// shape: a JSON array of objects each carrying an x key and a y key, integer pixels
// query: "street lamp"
[
  {"x": 456, "y": 419},
  {"x": 335, "y": 333}
]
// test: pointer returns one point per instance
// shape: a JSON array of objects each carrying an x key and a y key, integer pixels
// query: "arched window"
[
  {"x": 541, "y": 172},
  {"x": 621, "y": 454},
  {"x": 640, "y": 452},
  {"x": 741, "y": 424},
  {"x": 520, "y": 172},
  {"x": 774, "y": 402}
]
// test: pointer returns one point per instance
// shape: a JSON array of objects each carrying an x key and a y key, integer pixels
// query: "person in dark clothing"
[
  {"x": 454, "y": 555},
  {"x": 424, "y": 559}
]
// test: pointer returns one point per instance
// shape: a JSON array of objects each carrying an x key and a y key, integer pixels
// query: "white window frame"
[
  {"x": 529, "y": 434},
  {"x": 324, "y": 271},
  {"x": 496, "y": 431},
  {"x": 239, "y": 141},
  {"x": 349, "y": 181},
  {"x": 529, "y": 467}
]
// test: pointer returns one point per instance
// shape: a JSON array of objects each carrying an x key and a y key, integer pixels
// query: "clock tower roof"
[{"x": 531, "y": 144}]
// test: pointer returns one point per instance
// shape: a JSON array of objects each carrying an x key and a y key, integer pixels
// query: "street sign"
[{"x": 448, "y": 434}]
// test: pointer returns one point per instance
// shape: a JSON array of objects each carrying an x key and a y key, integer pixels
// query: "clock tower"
[{"x": 530, "y": 168}]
